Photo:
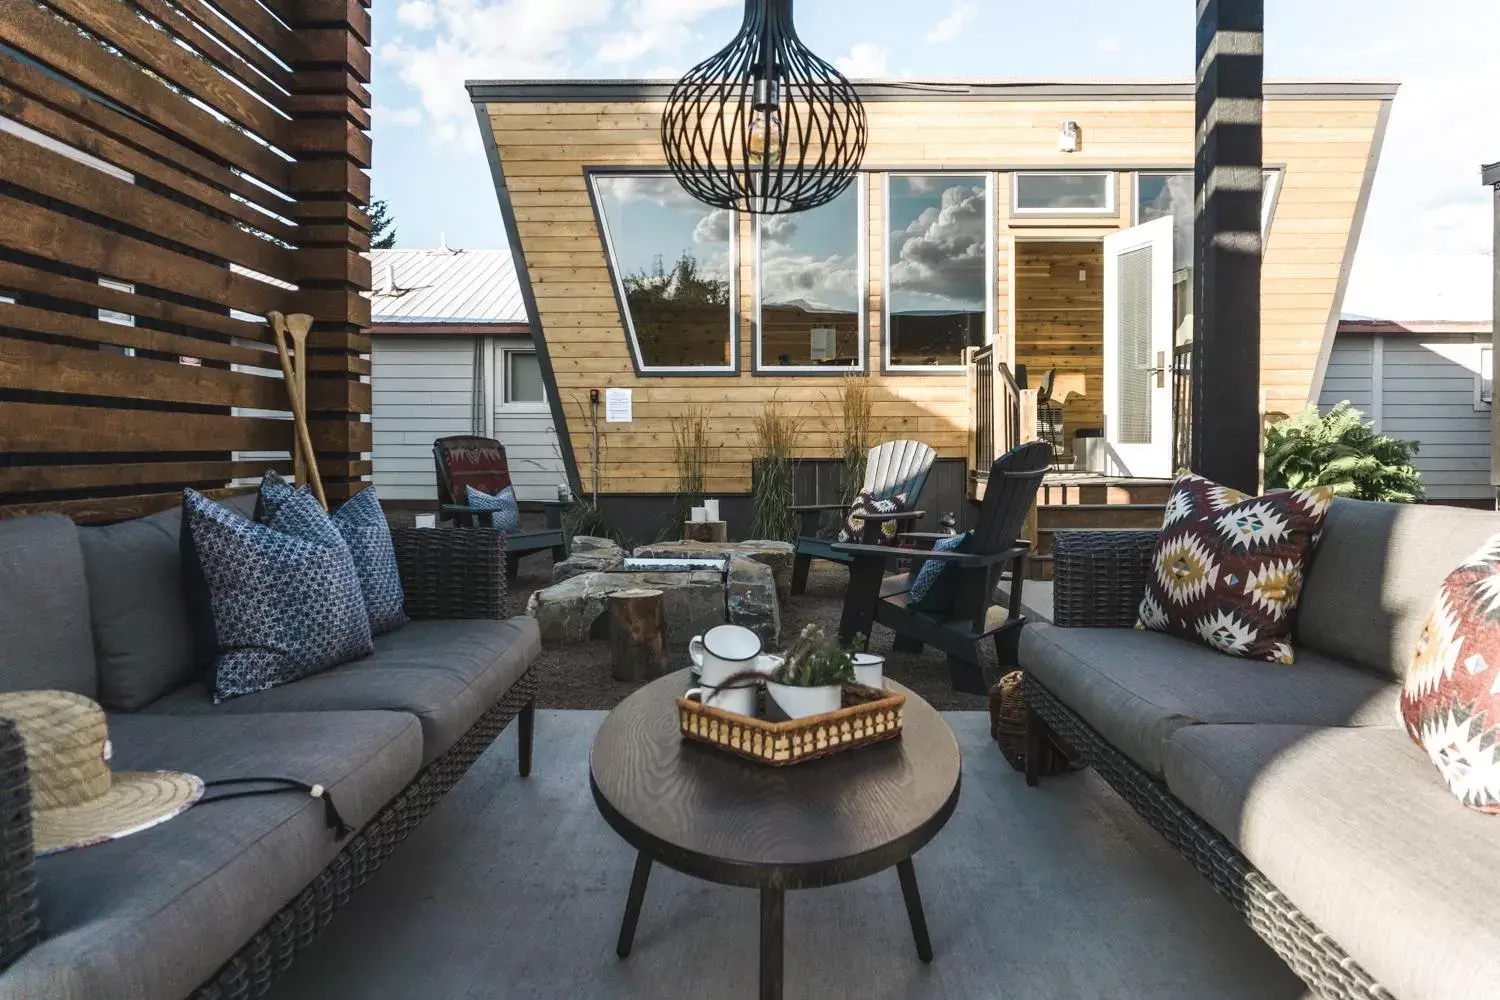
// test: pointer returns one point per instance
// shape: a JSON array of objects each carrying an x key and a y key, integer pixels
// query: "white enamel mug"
[
  {"x": 869, "y": 669},
  {"x": 723, "y": 651},
  {"x": 739, "y": 700}
]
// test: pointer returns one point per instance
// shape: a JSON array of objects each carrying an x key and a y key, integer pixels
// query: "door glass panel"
[
  {"x": 525, "y": 379},
  {"x": 1134, "y": 356}
]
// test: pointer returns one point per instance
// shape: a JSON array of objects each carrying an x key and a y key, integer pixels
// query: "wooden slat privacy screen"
[{"x": 170, "y": 171}]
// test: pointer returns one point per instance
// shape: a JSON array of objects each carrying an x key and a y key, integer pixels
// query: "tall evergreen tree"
[{"x": 382, "y": 226}]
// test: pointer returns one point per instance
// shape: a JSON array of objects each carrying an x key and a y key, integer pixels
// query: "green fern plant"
[{"x": 1339, "y": 449}]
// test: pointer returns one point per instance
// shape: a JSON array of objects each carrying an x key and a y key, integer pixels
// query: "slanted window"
[
  {"x": 672, "y": 262},
  {"x": 811, "y": 301},
  {"x": 938, "y": 268},
  {"x": 1054, "y": 193},
  {"x": 1162, "y": 194}
]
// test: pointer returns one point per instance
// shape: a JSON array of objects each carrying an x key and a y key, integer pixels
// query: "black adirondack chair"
[
  {"x": 465, "y": 460},
  {"x": 891, "y": 468},
  {"x": 995, "y": 552}
]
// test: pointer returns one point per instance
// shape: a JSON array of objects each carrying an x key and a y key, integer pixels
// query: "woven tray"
[{"x": 869, "y": 715}]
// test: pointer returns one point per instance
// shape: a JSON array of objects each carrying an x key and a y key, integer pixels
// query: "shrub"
[
  {"x": 1342, "y": 451},
  {"x": 775, "y": 433}
]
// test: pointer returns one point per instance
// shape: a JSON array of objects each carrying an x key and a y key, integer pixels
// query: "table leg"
[
  {"x": 772, "y": 932},
  {"x": 633, "y": 904},
  {"x": 913, "y": 897}
]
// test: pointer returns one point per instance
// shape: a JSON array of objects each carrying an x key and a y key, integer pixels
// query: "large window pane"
[
  {"x": 671, "y": 257},
  {"x": 937, "y": 268},
  {"x": 1063, "y": 194},
  {"x": 1158, "y": 195},
  {"x": 811, "y": 298}
]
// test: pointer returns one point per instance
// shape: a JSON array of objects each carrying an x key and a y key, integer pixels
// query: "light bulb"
[{"x": 765, "y": 135}]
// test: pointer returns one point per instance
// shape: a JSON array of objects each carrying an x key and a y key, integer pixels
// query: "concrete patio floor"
[{"x": 514, "y": 889}]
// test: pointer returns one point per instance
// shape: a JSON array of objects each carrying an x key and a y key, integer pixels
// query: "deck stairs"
[{"x": 1069, "y": 500}]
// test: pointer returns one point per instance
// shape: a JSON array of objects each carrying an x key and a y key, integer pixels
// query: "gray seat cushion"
[
  {"x": 1408, "y": 549},
  {"x": 153, "y": 915},
  {"x": 446, "y": 673},
  {"x": 142, "y": 635},
  {"x": 1358, "y": 830},
  {"x": 1137, "y": 688},
  {"x": 44, "y": 608}
]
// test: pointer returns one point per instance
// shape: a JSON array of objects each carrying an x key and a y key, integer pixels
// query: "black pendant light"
[{"x": 764, "y": 125}]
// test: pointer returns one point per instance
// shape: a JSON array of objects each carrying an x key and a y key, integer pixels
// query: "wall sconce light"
[{"x": 1069, "y": 137}]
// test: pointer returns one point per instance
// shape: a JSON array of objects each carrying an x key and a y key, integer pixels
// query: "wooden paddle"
[
  {"x": 303, "y": 440},
  {"x": 298, "y": 325}
]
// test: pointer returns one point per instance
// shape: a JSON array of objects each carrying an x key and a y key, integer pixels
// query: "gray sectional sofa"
[
  {"x": 215, "y": 903},
  {"x": 1294, "y": 788}
]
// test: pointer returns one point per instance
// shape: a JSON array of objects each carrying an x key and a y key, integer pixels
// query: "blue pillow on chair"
[
  {"x": 285, "y": 595},
  {"x": 936, "y": 585},
  {"x": 365, "y": 530},
  {"x": 507, "y": 512}
]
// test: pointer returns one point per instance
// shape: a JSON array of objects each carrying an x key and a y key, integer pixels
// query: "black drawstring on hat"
[{"x": 330, "y": 811}]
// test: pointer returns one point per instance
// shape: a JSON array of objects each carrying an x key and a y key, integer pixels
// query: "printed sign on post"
[{"x": 617, "y": 406}]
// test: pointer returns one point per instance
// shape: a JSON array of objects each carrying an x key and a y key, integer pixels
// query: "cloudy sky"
[{"x": 1424, "y": 250}]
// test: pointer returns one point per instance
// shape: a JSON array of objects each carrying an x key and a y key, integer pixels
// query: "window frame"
[
  {"x": 1111, "y": 191},
  {"x": 990, "y": 235},
  {"x": 862, "y": 297},
  {"x": 507, "y": 381},
  {"x": 1480, "y": 403},
  {"x": 592, "y": 175}
]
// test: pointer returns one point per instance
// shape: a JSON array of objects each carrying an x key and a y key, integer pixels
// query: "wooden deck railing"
[
  {"x": 1182, "y": 406},
  {"x": 1002, "y": 414}
]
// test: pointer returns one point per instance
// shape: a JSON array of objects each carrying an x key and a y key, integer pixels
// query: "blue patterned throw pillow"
[
  {"x": 365, "y": 530},
  {"x": 286, "y": 604},
  {"x": 507, "y": 512},
  {"x": 937, "y": 581}
]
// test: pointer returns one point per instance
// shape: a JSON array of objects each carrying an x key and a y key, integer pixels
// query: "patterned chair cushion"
[
  {"x": 367, "y": 533},
  {"x": 1453, "y": 713},
  {"x": 936, "y": 585},
  {"x": 866, "y": 502},
  {"x": 285, "y": 595},
  {"x": 1228, "y": 567},
  {"x": 507, "y": 516}
]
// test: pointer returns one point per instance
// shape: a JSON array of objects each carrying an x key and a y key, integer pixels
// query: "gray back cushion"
[
  {"x": 44, "y": 607},
  {"x": 141, "y": 632},
  {"x": 1376, "y": 573}
]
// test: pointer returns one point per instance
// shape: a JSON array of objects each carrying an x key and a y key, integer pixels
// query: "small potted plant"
[{"x": 812, "y": 678}]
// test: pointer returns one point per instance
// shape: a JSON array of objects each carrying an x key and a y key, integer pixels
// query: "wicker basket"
[
  {"x": 1008, "y": 711},
  {"x": 869, "y": 715}
]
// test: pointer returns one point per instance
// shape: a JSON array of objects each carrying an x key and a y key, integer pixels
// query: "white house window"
[
  {"x": 672, "y": 259},
  {"x": 810, "y": 302},
  {"x": 1484, "y": 386},
  {"x": 523, "y": 378},
  {"x": 939, "y": 269},
  {"x": 1051, "y": 193}
]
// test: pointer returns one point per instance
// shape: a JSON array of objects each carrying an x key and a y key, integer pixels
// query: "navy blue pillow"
[
  {"x": 507, "y": 516},
  {"x": 285, "y": 595},
  {"x": 365, "y": 530},
  {"x": 936, "y": 586}
]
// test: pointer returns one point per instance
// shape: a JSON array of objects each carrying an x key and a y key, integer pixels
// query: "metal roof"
[{"x": 445, "y": 286}]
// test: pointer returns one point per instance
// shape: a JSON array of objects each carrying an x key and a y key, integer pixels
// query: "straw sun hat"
[{"x": 76, "y": 800}]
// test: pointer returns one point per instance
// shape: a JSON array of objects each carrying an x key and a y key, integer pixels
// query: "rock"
[
  {"x": 577, "y": 609},
  {"x": 588, "y": 555},
  {"x": 750, "y": 599},
  {"x": 777, "y": 555}
]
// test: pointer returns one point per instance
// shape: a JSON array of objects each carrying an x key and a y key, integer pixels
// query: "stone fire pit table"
[{"x": 741, "y": 589}]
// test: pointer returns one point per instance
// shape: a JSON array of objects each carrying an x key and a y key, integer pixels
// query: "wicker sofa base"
[
  {"x": 253, "y": 969},
  {"x": 1309, "y": 952}
]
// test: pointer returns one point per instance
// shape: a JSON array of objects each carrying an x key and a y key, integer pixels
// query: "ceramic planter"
[
  {"x": 800, "y": 702},
  {"x": 869, "y": 670}
]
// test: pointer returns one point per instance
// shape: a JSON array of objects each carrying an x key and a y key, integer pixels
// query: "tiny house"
[{"x": 1046, "y": 226}]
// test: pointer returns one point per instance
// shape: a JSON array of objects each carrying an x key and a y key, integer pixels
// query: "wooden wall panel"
[
  {"x": 113, "y": 396},
  {"x": 545, "y": 146}
]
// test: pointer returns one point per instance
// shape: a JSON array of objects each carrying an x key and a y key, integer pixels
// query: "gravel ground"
[{"x": 577, "y": 676}]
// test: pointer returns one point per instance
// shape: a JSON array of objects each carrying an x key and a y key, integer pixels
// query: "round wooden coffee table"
[{"x": 727, "y": 820}]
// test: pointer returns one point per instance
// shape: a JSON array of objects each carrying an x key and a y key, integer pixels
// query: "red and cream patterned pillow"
[
  {"x": 1228, "y": 567},
  {"x": 866, "y": 503},
  {"x": 1451, "y": 700}
]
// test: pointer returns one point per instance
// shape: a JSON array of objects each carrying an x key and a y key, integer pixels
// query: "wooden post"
[
  {"x": 1490, "y": 174},
  {"x": 1226, "y": 430},
  {"x": 637, "y": 635},
  {"x": 705, "y": 531}
]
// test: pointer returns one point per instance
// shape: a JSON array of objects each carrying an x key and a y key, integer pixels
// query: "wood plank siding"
[{"x": 545, "y": 139}]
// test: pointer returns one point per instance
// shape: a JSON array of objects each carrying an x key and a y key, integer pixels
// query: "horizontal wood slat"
[
  {"x": 41, "y": 427},
  {"x": 105, "y": 510}
]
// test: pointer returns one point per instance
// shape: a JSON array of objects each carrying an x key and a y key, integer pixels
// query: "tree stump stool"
[
  {"x": 637, "y": 635},
  {"x": 705, "y": 531}
]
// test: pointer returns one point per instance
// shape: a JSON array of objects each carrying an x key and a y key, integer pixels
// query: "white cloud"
[
  {"x": 396, "y": 116},
  {"x": 1109, "y": 44},
  {"x": 941, "y": 253},
  {"x": 418, "y": 14},
  {"x": 656, "y": 25},
  {"x": 863, "y": 61},
  {"x": 948, "y": 28},
  {"x": 713, "y": 227}
]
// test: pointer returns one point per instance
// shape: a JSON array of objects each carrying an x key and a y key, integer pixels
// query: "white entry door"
[{"x": 1138, "y": 350}]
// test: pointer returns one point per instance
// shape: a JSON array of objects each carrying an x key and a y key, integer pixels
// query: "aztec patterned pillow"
[
  {"x": 1451, "y": 701},
  {"x": 507, "y": 516},
  {"x": 936, "y": 584},
  {"x": 1228, "y": 568},
  {"x": 285, "y": 606},
  {"x": 368, "y": 535},
  {"x": 866, "y": 503}
]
